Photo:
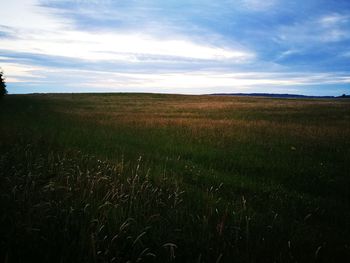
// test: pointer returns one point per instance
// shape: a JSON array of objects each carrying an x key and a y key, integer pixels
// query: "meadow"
[{"x": 173, "y": 178}]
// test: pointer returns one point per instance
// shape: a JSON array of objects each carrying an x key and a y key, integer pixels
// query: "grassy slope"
[{"x": 227, "y": 178}]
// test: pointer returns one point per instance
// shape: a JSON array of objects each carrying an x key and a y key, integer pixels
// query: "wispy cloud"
[
  {"x": 119, "y": 47},
  {"x": 258, "y": 5},
  {"x": 22, "y": 73},
  {"x": 230, "y": 82},
  {"x": 172, "y": 82},
  {"x": 334, "y": 20},
  {"x": 59, "y": 38},
  {"x": 325, "y": 29},
  {"x": 287, "y": 53}
]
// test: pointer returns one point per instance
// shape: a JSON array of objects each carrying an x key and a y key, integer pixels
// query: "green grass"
[{"x": 162, "y": 178}]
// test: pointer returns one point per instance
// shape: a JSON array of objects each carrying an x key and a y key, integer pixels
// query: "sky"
[{"x": 176, "y": 46}]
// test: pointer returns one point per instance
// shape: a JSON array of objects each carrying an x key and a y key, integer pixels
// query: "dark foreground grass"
[{"x": 162, "y": 178}]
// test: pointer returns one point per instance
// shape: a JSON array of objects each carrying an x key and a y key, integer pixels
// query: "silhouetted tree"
[{"x": 3, "y": 90}]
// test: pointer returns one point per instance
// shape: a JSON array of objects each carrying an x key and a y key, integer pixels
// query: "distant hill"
[{"x": 274, "y": 95}]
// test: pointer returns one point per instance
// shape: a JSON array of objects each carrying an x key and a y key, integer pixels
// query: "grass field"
[{"x": 170, "y": 178}]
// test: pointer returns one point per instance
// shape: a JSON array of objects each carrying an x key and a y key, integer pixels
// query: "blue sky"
[{"x": 168, "y": 46}]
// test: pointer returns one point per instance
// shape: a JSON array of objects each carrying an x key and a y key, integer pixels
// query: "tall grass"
[{"x": 71, "y": 207}]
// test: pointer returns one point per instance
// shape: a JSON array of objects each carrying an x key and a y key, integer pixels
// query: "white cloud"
[
  {"x": 118, "y": 47},
  {"x": 325, "y": 29},
  {"x": 334, "y": 19},
  {"x": 288, "y": 53},
  {"x": 39, "y": 33},
  {"x": 211, "y": 81},
  {"x": 17, "y": 72},
  {"x": 27, "y": 15},
  {"x": 189, "y": 82},
  {"x": 258, "y": 5}
]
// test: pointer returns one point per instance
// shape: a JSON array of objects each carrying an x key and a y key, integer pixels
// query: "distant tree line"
[{"x": 3, "y": 90}]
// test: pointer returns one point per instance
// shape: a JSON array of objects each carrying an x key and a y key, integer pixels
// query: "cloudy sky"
[{"x": 176, "y": 46}]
